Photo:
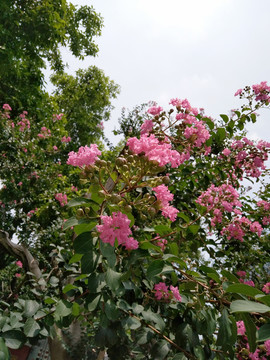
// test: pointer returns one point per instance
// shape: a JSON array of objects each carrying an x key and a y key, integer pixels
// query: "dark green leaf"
[
  {"x": 250, "y": 330},
  {"x": 31, "y": 328},
  {"x": 83, "y": 243},
  {"x": 113, "y": 279},
  {"x": 248, "y": 306},
  {"x": 264, "y": 332},
  {"x": 243, "y": 289},
  {"x": 155, "y": 268},
  {"x": 14, "y": 339},
  {"x": 30, "y": 308}
]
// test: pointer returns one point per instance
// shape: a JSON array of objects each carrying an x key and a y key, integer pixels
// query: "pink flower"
[
  {"x": 175, "y": 292},
  {"x": 19, "y": 264},
  {"x": 55, "y": 148},
  {"x": 155, "y": 150},
  {"x": 101, "y": 125},
  {"x": 164, "y": 196},
  {"x": 7, "y": 107},
  {"x": 18, "y": 275},
  {"x": 161, "y": 243},
  {"x": 62, "y": 198},
  {"x": 241, "y": 330},
  {"x": 154, "y": 110},
  {"x": 266, "y": 289},
  {"x": 161, "y": 291},
  {"x": 66, "y": 139},
  {"x": 85, "y": 156},
  {"x": 226, "y": 152},
  {"x": 238, "y": 92},
  {"x": 117, "y": 227},
  {"x": 146, "y": 127},
  {"x": 267, "y": 347},
  {"x": 20, "y": 183},
  {"x": 241, "y": 274},
  {"x": 249, "y": 282}
]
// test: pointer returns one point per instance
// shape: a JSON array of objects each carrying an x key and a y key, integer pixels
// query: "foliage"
[{"x": 161, "y": 261}]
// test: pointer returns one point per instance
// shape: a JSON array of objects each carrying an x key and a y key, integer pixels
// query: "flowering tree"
[{"x": 163, "y": 243}]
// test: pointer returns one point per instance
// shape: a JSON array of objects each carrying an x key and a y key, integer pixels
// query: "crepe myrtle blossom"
[
  {"x": 262, "y": 91},
  {"x": 162, "y": 292},
  {"x": 117, "y": 227},
  {"x": 164, "y": 196},
  {"x": 241, "y": 330},
  {"x": 155, "y": 150},
  {"x": 66, "y": 139},
  {"x": 155, "y": 110},
  {"x": 19, "y": 264},
  {"x": 85, "y": 156},
  {"x": 146, "y": 127},
  {"x": 7, "y": 107},
  {"x": 62, "y": 198},
  {"x": 266, "y": 288}
]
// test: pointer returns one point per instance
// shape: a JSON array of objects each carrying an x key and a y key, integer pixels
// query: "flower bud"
[
  {"x": 166, "y": 180},
  {"x": 128, "y": 208},
  {"x": 80, "y": 213},
  {"x": 115, "y": 198},
  {"x": 152, "y": 211},
  {"x": 120, "y": 161},
  {"x": 87, "y": 210}
]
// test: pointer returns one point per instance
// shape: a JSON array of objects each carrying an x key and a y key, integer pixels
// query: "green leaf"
[
  {"x": 194, "y": 229},
  {"x": 184, "y": 217},
  {"x": 209, "y": 122},
  {"x": 243, "y": 289},
  {"x": 4, "y": 353},
  {"x": 93, "y": 302},
  {"x": 229, "y": 276},
  {"x": 248, "y": 306},
  {"x": 30, "y": 308},
  {"x": 264, "y": 298},
  {"x": 251, "y": 331},
  {"x": 131, "y": 323},
  {"x": 162, "y": 229},
  {"x": 75, "y": 258},
  {"x": 264, "y": 333},
  {"x": 70, "y": 222},
  {"x": 14, "y": 339},
  {"x": 69, "y": 287},
  {"x": 63, "y": 308},
  {"x": 76, "y": 309},
  {"x": 224, "y": 117},
  {"x": 49, "y": 301},
  {"x": 89, "y": 262},
  {"x": 220, "y": 135},
  {"x": 85, "y": 227},
  {"x": 226, "y": 336},
  {"x": 160, "y": 350},
  {"x": 153, "y": 317},
  {"x": 111, "y": 311},
  {"x": 113, "y": 279},
  {"x": 83, "y": 243},
  {"x": 108, "y": 251},
  {"x": 81, "y": 201},
  {"x": 96, "y": 282},
  {"x": 31, "y": 328},
  {"x": 155, "y": 268}
]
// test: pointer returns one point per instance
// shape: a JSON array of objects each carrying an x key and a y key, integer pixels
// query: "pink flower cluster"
[
  {"x": 155, "y": 150},
  {"x": 101, "y": 125},
  {"x": 85, "y": 156},
  {"x": 266, "y": 288},
  {"x": 162, "y": 292},
  {"x": 6, "y": 107},
  {"x": 239, "y": 226},
  {"x": 66, "y": 139},
  {"x": 262, "y": 92},
  {"x": 44, "y": 133},
  {"x": 197, "y": 132},
  {"x": 161, "y": 242},
  {"x": 248, "y": 157},
  {"x": 184, "y": 106},
  {"x": 256, "y": 355},
  {"x": 165, "y": 196},
  {"x": 62, "y": 198},
  {"x": 57, "y": 117},
  {"x": 219, "y": 199},
  {"x": 117, "y": 227},
  {"x": 24, "y": 123},
  {"x": 31, "y": 213},
  {"x": 146, "y": 127},
  {"x": 19, "y": 264},
  {"x": 266, "y": 207},
  {"x": 155, "y": 110}
]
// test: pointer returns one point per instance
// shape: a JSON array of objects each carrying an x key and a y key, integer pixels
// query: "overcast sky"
[{"x": 202, "y": 50}]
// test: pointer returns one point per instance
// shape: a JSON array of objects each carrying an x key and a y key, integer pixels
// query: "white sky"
[{"x": 202, "y": 50}]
